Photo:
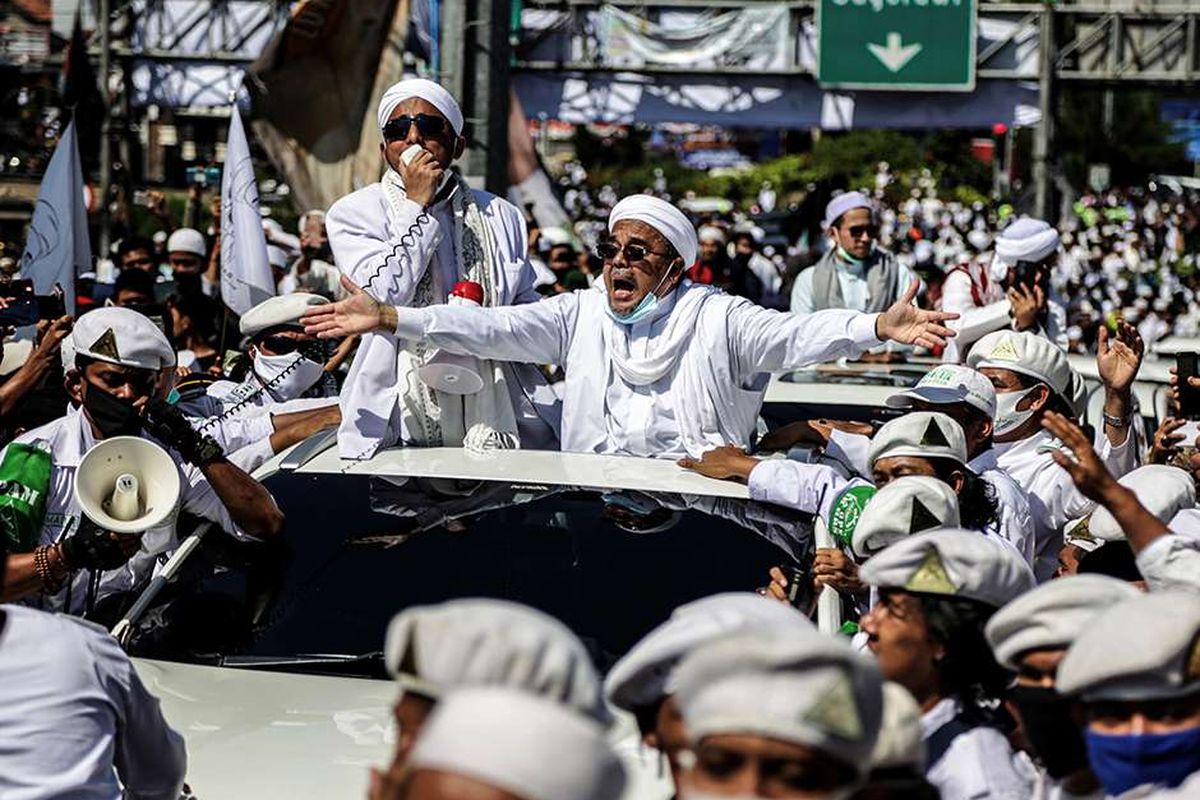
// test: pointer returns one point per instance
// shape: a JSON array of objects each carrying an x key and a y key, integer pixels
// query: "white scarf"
[
  {"x": 481, "y": 421},
  {"x": 706, "y": 391}
]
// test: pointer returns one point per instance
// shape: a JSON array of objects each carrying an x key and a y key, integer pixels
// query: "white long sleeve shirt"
[
  {"x": 77, "y": 721},
  {"x": 979, "y": 764},
  {"x": 852, "y": 278},
  {"x": 736, "y": 345},
  {"x": 1053, "y": 498},
  {"x": 388, "y": 254},
  {"x": 1015, "y": 525},
  {"x": 67, "y": 439}
]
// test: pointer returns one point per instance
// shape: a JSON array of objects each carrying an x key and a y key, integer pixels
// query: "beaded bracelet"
[{"x": 41, "y": 565}]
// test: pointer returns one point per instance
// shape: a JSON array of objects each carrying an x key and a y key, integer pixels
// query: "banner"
[
  {"x": 314, "y": 92},
  {"x": 246, "y": 278},
  {"x": 754, "y": 38},
  {"x": 58, "y": 247}
]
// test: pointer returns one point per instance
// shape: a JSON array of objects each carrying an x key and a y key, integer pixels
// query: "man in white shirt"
[
  {"x": 77, "y": 721},
  {"x": 855, "y": 273},
  {"x": 1031, "y": 376},
  {"x": 409, "y": 240},
  {"x": 656, "y": 365},
  {"x": 1012, "y": 292},
  {"x": 120, "y": 355}
]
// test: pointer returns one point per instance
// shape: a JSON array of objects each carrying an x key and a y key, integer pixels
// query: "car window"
[{"x": 357, "y": 549}]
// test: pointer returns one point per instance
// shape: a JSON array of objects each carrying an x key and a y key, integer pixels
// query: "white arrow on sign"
[{"x": 895, "y": 55}]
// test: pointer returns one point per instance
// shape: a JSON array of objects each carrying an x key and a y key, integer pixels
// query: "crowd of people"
[{"x": 1027, "y": 589}]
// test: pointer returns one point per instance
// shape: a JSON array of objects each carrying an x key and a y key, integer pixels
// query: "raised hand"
[
  {"x": 905, "y": 323},
  {"x": 1119, "y": 356},
  {"x": 1084, "y": 466},
  {"x": 358, "y": 313}
]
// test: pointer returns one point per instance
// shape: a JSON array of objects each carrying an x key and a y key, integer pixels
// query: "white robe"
[
  {"x": 366, "y": 243},
  {"x": 1053, "y": 498},
  {"x": 725, "y": 362}
]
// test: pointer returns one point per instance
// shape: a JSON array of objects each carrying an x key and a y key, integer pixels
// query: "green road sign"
[{"x": 897, "y": 44}]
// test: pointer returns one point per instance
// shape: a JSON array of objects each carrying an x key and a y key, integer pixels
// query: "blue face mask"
[
  {"x": 1123, "y": 762},
  {"x": 644, "y": 309},
  {"x": 173, "y": 397}
]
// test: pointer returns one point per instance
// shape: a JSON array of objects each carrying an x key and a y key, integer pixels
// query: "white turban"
[
  {"x": 429, "y": 91},
  {"x": 711, "y": 233},
  {"x": 845, "y": 202},
  {"x": 1027, "y": 239},
  {"x": 664, "y": 218}
]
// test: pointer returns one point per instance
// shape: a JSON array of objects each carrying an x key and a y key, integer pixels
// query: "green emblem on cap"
[
  {"x": 939, "y": 376},
  {"x": 931, "y": 576},
  {"x": 1004, "y": 351},
  {"x": 106, "y": 346},
  {"x": 922, "y": 519},
  {"x": 836, "y": 711},
  {"x": 846, "y": 509}
]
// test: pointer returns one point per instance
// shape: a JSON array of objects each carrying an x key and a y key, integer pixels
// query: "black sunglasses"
[
  {"x": 862, "y": 230},
  {"x": 634, "y": 253},
  {"x": 283, "y": 345},
  {"x": 428, "y": 125}
]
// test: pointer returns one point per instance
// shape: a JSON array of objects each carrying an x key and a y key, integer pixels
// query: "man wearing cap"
[
  {"x": 658, "y": 366},
  {"x": 1164, "y": 559},
  {"x": 1031, "y": 376},
  {"x": 1013, "y": 292},
  {"x": 287, "y": 366},
  {"x": 642, "y": 682},
  {"x": 921, "y": 443},
  {"x": 712, "y": 262},
  {"x": 777, "y": 713},
  {"x": 496, "y": 743},
  {"x": 855, "y": 272},
  {"x": 187, "y": 255},
  {"x": 1030, "y": 637},
  {"x": 434, "y": 650},
  {"x": 409, "y": 240},
  {"x": 1136, "y": 669},
  {"x": 120, "y": 356},
  {"x": 937, "y": 591}
]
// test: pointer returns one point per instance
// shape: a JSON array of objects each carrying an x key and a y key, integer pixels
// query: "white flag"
[
  {"x": 246, "y": 278},
  {"x": 58, "y": 247}
]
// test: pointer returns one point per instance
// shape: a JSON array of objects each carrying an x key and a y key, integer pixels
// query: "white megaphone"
[
  {"x": 451, "y": 373},
  {"x": 127, "y": 485}
]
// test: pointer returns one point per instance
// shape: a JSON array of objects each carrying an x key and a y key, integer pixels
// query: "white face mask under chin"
[
  {"x": 1008, "y": 418},
  {"x": 286, "y": 377}
]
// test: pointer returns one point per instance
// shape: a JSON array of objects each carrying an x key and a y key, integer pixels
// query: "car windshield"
[{"x": 359, "y": 548}]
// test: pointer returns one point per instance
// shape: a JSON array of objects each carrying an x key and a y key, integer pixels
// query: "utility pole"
[
  {"x": 475, "y": 61},
  {"x": 1044, "y": 134},
  {"x": 102, "y": 19}
]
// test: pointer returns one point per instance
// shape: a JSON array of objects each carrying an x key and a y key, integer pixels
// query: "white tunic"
[
  {"x": 1016, "y": 519},
  {"x": 67, "y": 439},
  {"x": 388, "y": 257},
  {"x": 727, "y": 356},
  {"x": 812, "y": 488},
  {"x": 979, "y": 764},
  {"x": 852, "y": 278},
  {"x": 77, "y": 718},
  {"x": 1053, "y": 498},
  {"x": 1171, "y": 562}
]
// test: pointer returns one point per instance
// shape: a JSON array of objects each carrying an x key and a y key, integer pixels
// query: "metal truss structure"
[{"x": 1117, "y": 43}]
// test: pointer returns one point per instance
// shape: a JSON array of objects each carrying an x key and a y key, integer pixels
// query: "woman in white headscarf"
[{"x": 408, "y": 240}]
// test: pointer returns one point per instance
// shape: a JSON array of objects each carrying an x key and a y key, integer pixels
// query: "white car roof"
[
  {"x": 828, "y": 393},
  {"x": 533, "y": 467}
]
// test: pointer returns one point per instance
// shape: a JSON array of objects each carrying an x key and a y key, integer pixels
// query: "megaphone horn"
[
  {"x": 127, "y": 485},
  {"x": 451, "y": 373}
]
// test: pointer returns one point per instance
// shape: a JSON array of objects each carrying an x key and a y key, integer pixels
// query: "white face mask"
[
  {"x": 1008, "y": 419},
  {"x": 286, "y": 377}
]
